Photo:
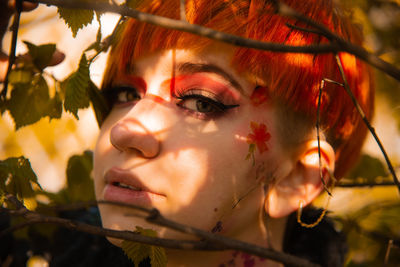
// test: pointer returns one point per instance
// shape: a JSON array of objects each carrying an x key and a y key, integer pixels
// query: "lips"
[{"x": 123, "y": 186}]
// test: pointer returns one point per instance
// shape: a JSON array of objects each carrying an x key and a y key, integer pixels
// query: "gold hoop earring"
[{"x": 322, "y": 215}]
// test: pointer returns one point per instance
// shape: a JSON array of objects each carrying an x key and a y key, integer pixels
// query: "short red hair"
[{"x": 293, "y": 78}]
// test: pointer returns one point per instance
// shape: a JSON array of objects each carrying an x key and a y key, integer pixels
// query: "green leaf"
[
  {"x": 29, "y": 101},
  {"x": 20, "y": 76},
  {"x": 79, "y": 181},
  {"x": 76, "y": 88},
  {"x": 41, "y": 55},
  {"x": 17, "y": 176},
  {"x": 138, "y": 252},
  {"x": 76, "y": 19},
  {"x": 54, "y": 107},
  {"x": 100, "y": 106},
  {"x": 368, "y": 168}
]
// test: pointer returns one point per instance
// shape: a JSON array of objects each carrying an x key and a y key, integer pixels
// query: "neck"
[{"x": 265, "y": 232}]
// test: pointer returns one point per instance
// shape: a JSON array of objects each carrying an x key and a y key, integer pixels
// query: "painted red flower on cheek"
[{"x": 258, "y": 139}]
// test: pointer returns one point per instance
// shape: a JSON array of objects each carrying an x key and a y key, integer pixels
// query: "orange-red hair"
[{"x": 293, "y": 78}]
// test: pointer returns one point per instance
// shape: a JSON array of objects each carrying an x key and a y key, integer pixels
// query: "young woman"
[{"x": 223, "y": 138}]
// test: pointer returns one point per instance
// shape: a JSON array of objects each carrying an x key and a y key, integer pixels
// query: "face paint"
[
  {"x": 257, "y": 139},
  {"x": 259, "y": 96}
]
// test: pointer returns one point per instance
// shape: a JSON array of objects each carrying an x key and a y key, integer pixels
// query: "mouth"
[
  {"x": 123, "y": 186},
  {"x": 126, "y": 186}
]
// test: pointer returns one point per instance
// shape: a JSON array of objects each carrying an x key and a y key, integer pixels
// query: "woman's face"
[{"x": 185, "y": 136}]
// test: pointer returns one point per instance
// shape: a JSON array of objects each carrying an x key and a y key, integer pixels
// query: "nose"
[{"x": 129, "y": 134}]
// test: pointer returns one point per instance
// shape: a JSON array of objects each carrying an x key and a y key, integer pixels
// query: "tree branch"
[
  {"x": 209, "y": 242},
  {"x": 350, "y": 185},
  {"x": 340, "y": 45}
]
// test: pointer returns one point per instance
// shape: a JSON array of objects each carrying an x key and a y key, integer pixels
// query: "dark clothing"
[
  {"x": 62, "y": 247},
  {"x": 321, "y": 244}
]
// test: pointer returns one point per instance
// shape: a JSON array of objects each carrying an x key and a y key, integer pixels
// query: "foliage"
[
  {"x": 76, "y": 88},
  {"x": 76, "y": 19},
  {"x": 138, "y": 252},
  {"x": 368, "y": 168},
  {"x": 17, "y": 177}
]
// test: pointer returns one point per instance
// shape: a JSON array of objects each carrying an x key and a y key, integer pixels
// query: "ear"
[{"x": 298, "y": 180}]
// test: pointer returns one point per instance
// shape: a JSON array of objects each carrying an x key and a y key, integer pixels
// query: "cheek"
[{"x": 103, "y": 146}]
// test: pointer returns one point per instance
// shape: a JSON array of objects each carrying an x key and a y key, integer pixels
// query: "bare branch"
[{"x": 340, "y": 45}]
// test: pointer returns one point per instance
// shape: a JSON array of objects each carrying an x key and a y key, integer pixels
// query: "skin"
[{"x": 191, "y": 167}]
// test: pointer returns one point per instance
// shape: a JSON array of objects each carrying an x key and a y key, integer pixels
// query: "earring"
[{"x": 300, "y": 210}]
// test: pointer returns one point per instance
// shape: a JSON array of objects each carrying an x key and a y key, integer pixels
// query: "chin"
[{"x": 115, "y": 241}]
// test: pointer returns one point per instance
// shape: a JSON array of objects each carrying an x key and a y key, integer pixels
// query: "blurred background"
[{"x": 369, "y": 215}]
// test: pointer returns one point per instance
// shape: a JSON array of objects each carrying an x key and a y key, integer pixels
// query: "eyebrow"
[{"x": 190, "y": 68}]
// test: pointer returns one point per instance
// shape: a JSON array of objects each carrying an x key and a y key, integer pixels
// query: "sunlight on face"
[{"x": 171, "y": 142}]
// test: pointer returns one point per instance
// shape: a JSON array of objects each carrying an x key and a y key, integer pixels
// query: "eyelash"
[{"x": 207, "y": 97}]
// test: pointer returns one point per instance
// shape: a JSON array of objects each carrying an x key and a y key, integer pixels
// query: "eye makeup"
[
  {"x": 205, "y": 81},
  {"x": 202, "y": 96}
]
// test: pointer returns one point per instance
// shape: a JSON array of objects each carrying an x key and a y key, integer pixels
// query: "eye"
[
  {"x": 122, "y": 94},
  {"x": 202, "y": 103},
  {"x": 127, "y": 96}
]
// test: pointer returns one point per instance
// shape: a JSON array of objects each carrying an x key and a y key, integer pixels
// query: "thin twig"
[
  {"x": 319, "y": 137},
  {"x": 322, "y": 86},
  {"x": 295, "y": 27},
  {"x": 340, "y": 45},
  {"x": 351, "y": 185},
  {"x": 367, "y": 123},
  {"x": 182, "y": 9},
  {"x": 11, "y": 59}
]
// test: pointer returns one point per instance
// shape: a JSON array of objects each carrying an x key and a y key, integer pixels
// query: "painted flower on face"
[
  {"x": 259, "y": 96},
  {"x": 258, "y": 139}
]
